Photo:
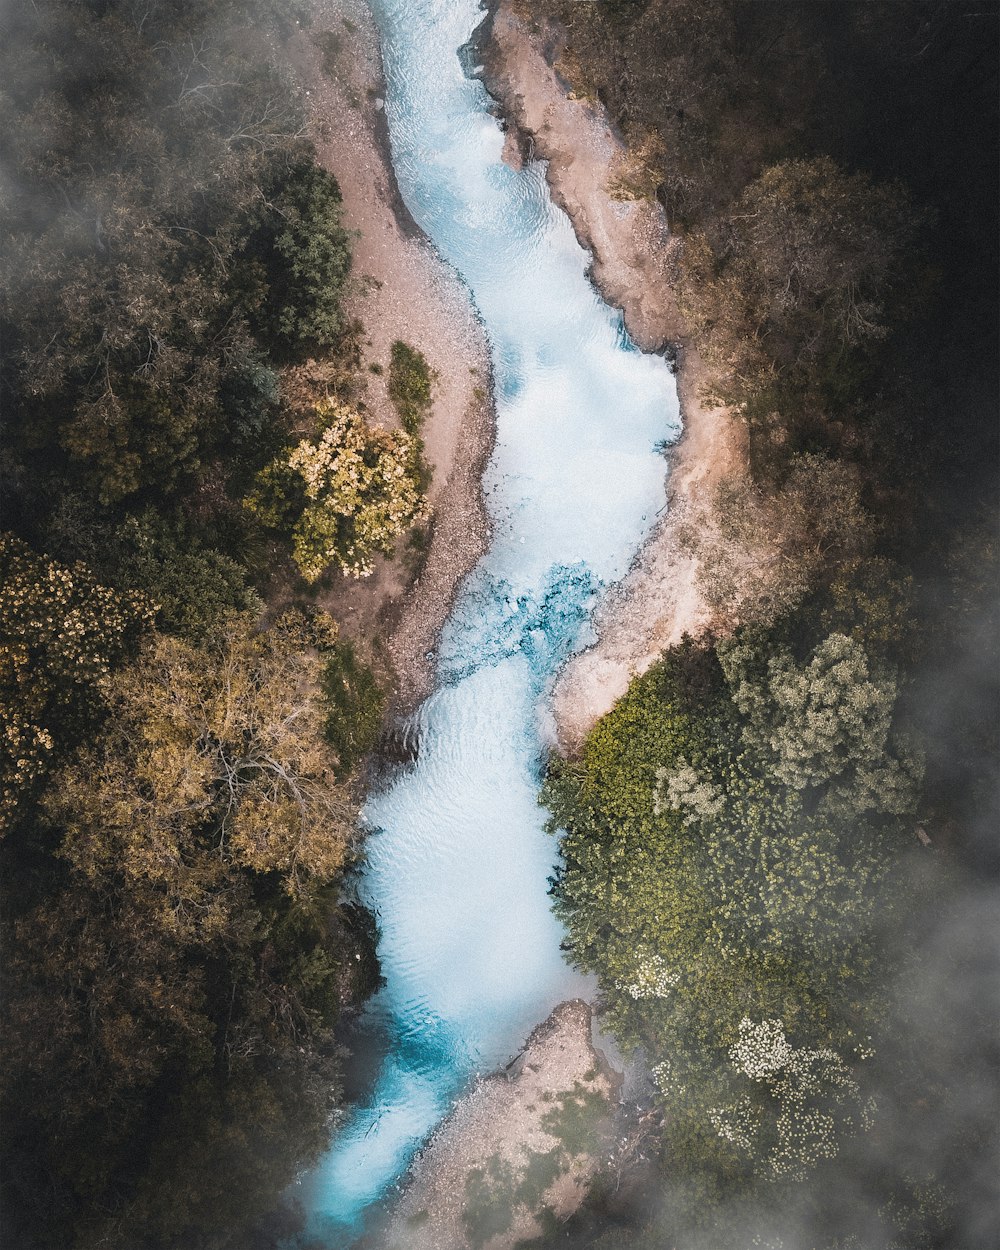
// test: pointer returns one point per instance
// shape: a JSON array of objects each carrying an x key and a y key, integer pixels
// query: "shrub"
[
  {"x": 410, "y": 379},
  {"x": 355, "y": 705}
]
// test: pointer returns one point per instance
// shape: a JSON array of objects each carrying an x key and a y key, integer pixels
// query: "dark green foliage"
[
  {"x": 164, "y": 229},
  {"x": 250, "y": 395},
  {"x": 192, "y": 585},
  {"x": 355, "y": 704},
  {"x": 305, "y": 255},
  {"x": 410, "y": 380}
]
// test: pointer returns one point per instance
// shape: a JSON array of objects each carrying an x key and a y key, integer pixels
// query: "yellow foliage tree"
[
  {"x": 346, "y": 496},
  {"x": 213, "y": 762},
  {"x": 59, "y": 634}
]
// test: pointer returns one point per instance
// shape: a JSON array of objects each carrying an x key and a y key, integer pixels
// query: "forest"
[
  {"x": 778, "y": 845},
  {"x": 183, "y": 458}
]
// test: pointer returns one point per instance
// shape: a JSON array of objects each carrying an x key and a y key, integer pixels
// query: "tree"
[
  {"x": 194, "y": 586},
  {"x": 806, "y": 267},
  {"x": 346, "y": 496},
  {"x": 305, "y": 252},
  {"x": 213, "y": 760},
  {"x": 762, "y": 550},
  {"x": 825, "y": 723},
  {"x": 149, "y": 157},
  {"x": 188, "y": 963},
  {"x": 60, "y": 633},
  {"x": 708, "y": 889},
  {"x": 817, "y": 1097}
]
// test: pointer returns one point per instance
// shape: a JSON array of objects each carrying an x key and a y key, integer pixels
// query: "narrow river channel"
[{"x": 458, "y": 858}]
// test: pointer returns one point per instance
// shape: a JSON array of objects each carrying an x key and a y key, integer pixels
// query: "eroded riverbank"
[{"x": 660, "y": 599}]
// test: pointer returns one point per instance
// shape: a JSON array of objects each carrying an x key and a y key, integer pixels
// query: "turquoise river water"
[{"x": 458, "y": 860}]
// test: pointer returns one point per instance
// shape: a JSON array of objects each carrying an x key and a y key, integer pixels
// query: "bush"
[
  {"x": 410, "y": 380},
  {"x": 355, "y": 705}
]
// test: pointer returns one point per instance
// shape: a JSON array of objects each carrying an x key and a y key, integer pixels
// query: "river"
[{"x": 458, "y": 859}]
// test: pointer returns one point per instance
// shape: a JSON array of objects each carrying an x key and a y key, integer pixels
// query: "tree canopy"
[
  {"x": 177, "y": 796},
  {"x": 730, "y": 912},
  {"x": 345, "y": 496},
  {"x": 186, "y": 973}
]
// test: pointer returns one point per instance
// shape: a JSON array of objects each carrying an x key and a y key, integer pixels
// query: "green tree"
[
  {"x": 825, "y": 723},
  {"x": 306, "y": 256},
  {"x": 195, "y": 586}
]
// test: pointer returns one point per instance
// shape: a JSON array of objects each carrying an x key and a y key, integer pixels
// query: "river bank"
[
  {"x": 400, "y": 289},
  {"x": 516, "y": 1155},
  {"x": 660, "y": 599}
]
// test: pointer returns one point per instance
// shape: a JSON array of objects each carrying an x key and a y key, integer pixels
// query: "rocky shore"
[{"x": 515, "y": 1157}]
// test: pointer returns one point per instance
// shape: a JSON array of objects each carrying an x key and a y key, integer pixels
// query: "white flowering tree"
[
  {"x": 826, "y": 722},
  {"x": 811, "y": 1101},
  {"x": 346, "y": 495}
]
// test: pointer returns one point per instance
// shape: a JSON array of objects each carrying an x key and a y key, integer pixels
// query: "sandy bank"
[
  {"x": 659, "y": 600},
  {"x": 517, "y": 1153},
  {"x": 399, "y": 289}
]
